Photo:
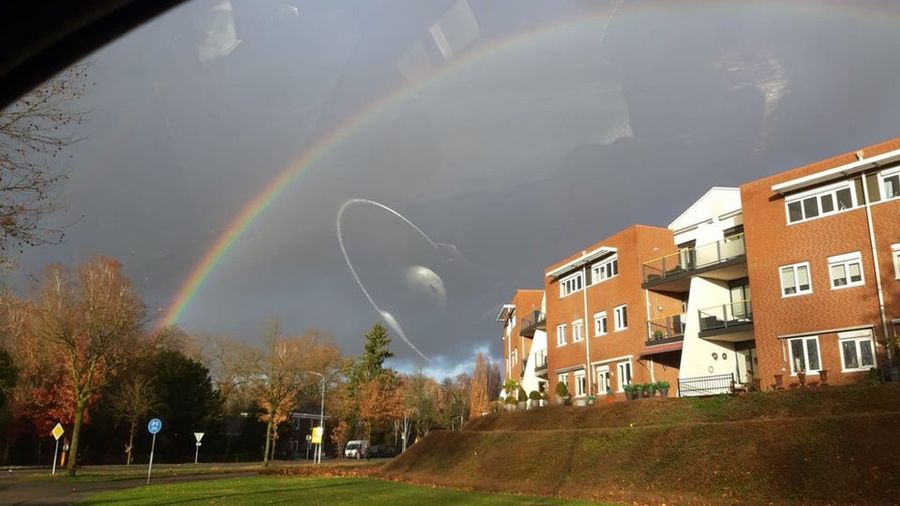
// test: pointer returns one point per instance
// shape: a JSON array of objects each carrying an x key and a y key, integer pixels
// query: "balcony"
[
  {"x": 723, "y": 260},
  {"x": 535, "y": 320},
  {"x": 540, "y": 362},
  {"x": 728, "y": 322},
  {"x": 669, "y": 329}
]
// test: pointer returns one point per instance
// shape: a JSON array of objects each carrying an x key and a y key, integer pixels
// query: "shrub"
[
  {"x": 510, "y": 399},
  {"x": 534, "y": 395},
  {"x": 523, "y": 397},
  {"x": 544, "y": 396},
  {"x": 562, "y": 390},
  {"x": 629, "y": 388},
  {"x": 662, "y": 385},
  {"x": 510, "y": 387}
]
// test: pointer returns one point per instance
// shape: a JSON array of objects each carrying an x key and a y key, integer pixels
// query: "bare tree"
[
  {"x": 89, "y": 319},
  {"x": 34, "y": 131},
  {"x": 134, "y": 395}
]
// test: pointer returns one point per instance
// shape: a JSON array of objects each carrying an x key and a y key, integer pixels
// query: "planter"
[
  {"x": 542, "y": 403},
  {"x": 590, "y": 401},
  {"x": 510, "y": 407},
  {"x": 823, "y": 376},
  {"x": 560, "y": 401},
  {"x": 801, "y": 377},
  {"x": 523, "y": 404},
  {"x": 664, "y": 393},
  {"x": 579, "y": 401}
]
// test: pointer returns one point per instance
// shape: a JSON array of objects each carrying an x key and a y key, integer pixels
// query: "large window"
[
  {"x": 580, "y": 383},
  {"x": 577, "y": 331},
  {"x": 845, "y": 270},
  {"x": 890, "y": 184},
  {"x": 795, "y": 280},
  {"x": 820, "y": 202},
  {"x": 571, "y": 284},
  {"x": 600, "y": 324},
  {"x": 805, "y": 354},
  {"x": 621, "y": 316},
  {"x": 624, "y": 370},
  {"x": 857, "y": 350},
  {"x": 561, "y": 334},
  {"x": 895, "y": 254},
  {"x": 603, "y": 384},
  {"x": 604, "y": 270},
  {"x": 563, "y": 378}
]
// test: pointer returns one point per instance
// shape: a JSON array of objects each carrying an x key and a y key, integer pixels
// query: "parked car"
[
  {"x": 357, "y": 449},
  {"x": 382, "y": 452}
]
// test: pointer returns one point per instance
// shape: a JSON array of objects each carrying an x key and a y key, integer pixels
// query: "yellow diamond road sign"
[{"x": 57, "y": 431}]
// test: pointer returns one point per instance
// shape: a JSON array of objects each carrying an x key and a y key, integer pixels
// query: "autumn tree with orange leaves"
[{"x": 87, "y": 319}]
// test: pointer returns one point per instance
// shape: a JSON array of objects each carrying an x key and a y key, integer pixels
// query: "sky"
[{"x": 514, "y": 133}]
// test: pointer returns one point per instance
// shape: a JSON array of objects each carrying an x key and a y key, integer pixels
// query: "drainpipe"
[
  {"x": 588, "y": 375},
  {"x": 649, "y": 313},
  {"x": 879, "y": 290}
]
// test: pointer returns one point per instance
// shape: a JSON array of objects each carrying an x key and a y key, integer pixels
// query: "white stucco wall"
[{"x": 696, "y": 355}]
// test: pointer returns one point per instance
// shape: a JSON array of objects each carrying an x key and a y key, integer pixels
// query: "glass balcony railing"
[
  {"x": 666, "y": 329},
  {"x": 689, "y": 259},
  {"x": 726, "y": 316},
  {"x": 535, "y": 320},
  {"x": 540, "y": 361}
]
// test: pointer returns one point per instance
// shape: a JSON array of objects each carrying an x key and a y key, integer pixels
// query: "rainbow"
[{"x": 327, "y": 142}]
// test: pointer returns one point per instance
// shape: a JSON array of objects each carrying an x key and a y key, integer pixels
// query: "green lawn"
[{"x": 292, "y": 490}]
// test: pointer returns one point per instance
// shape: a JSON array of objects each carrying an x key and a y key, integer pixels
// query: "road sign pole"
[
  {"x": 197, "y": 452},
  {"x": 55, "y": 454},
  {"x": 150, "y": 468}
]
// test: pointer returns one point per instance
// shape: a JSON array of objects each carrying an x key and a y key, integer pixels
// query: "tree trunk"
[
  {"x": 76, "y": 433},
  {"x": 131, "y": 441},
  {"x": 268, "y": 443}
]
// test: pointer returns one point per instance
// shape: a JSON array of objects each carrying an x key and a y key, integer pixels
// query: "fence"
[{"x": 706, "y": 385}]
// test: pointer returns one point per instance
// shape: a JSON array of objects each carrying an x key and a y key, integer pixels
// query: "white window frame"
[
  {"x": 580, "y": 383},
  {"x": 818, "y": 193},
  {"x": 895, "y": 254},
  {"x": 601, "y": 330},
  {"x": 619, "y": 312},
  {"x": 577, "y": 331},
  {"x": 563, "y": 378},
  {"x": 846, "y": 261},
  {"x": 882, "y": 176},
  {"x": 571, "y": 284},
  {"x": 805, "y": 340},
  {"x": 561, "y": 335},
  {"x": 620, "y": 371},
  {"x": 857, "y": 337},
  {"x": 606, "y": 269},
  {"x": 600, "y": 371},
  {"x": 794, "y": 268}
]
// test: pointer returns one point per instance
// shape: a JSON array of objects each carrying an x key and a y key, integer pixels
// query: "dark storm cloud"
[{"x": 517, "y": 161}]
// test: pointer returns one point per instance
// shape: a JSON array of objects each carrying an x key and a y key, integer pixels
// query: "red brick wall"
[
  {"x": 526, "y": 301},
  {"x": 772, "y": 243}
]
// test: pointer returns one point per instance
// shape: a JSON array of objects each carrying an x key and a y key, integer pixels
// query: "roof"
[
  {"x": 824, "y": 176},
  {"x": 585, "y": 258},
  {"x": 717, "y": 202},
  {"x": 505, "y": 312}
]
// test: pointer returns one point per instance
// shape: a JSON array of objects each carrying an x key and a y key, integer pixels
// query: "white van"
[{"x": 357, "y": 449}]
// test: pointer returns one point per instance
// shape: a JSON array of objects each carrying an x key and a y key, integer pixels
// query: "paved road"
[{"x": 32, "y": 492}]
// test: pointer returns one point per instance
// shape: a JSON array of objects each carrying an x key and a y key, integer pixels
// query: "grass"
[
  {"x": 98, "y": 474},
  {"x": 288, "y": 490}
]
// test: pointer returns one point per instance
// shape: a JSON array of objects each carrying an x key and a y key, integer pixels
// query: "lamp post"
[{"x": 318, "y": 454}]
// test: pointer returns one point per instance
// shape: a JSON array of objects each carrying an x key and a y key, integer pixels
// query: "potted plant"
[
  {"x": 629, "y": 392},
  {"x": 663, "y": 387},
  {"x": 510, "y": 403},
  {"x": 658, "y": 334},
  {"x": 511, "y": 386},
  {"x": 590, "y": 400},
  {"x": 522, "y": 397},
  {"x": 562, "y": 393},
  {"x": 544, "y": 398},
  {"x": 646, "y": 390},
  {"x": 535, "y": 398}
]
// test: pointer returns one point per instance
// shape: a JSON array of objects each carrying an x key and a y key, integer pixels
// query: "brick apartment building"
[
  {"x": 597, "y": 315},
  {"x": 818, "y": 246},
  {"x": 525, "y": 339},
  {"x": 823, "y": 243}
]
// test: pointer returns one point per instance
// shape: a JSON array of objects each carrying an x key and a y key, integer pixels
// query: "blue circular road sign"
[{"x": 154, "y": 426}]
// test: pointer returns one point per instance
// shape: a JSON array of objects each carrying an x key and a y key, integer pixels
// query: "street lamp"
[{"x": 318, "y": 455}]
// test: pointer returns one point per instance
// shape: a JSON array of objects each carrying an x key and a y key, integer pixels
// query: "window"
[
  {"x": 820, "y": 203},
  {"x": 513, "y": 357},
  {"x": 621, "y": 313},
  {"x": 603, "y": 384},
  {"x": 605, "y": 269},
  {"x": 845, "y": 270},
  {"x": 571, "y": 284},
  {"x": 805, "y": 354},
  {"x": 580, "y": 384},
  {"x": 577, "y": 331},
  {"x": 857, "y": 350},
  {"x": 563, "y": 378},
  {"x": 624, "y": 375},
  {"x": 890, "y": 184},
  {"x": 795, "y": 280},
  {"x": 895, "y": 253},
  {"x": 561, "y": 335},
  {"x": 600, "y": 325}
]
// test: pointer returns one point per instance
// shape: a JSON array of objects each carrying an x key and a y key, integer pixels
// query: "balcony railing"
[
  {"x": 706, "y": 385},
  {"x": 689, "y": 259},
  {"x": 665, "y": 330},
  {"x": 726, "y": 315},
  {"x": 535, "y": 320}
]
